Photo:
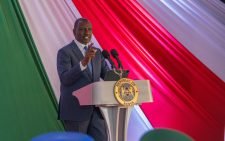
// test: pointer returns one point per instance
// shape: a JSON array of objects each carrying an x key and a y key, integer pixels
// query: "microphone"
[
  {"x": 106, "y": 55},
  {"x": 115, "y": 55}
]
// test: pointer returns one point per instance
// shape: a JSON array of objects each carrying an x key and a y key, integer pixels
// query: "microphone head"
[
  {"x": 105, "y": 54},
  {"x": 114, "y": 53}
]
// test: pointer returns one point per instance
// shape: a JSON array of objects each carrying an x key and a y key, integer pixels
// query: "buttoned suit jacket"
[{"x": 72, "y": 78}]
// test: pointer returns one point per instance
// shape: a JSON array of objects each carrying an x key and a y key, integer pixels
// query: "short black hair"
[{"x": 80, "y": 20}]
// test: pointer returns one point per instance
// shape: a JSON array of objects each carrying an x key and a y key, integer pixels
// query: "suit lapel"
[{"x": 76, "y": 51}]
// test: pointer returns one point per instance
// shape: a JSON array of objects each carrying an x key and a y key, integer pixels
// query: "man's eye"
[{"x": 83, "y": 29}]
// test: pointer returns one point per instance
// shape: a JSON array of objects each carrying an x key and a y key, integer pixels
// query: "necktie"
[{"x": 89, "y": 64}]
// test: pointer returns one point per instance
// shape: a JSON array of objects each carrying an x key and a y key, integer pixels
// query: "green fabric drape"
[{"x": 27, "y": 102}]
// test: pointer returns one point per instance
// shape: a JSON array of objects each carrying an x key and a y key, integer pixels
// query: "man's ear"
[{"x": 74, "y": 32}]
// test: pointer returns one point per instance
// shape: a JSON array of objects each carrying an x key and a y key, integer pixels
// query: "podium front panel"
[{"x": 101, "y": 93}]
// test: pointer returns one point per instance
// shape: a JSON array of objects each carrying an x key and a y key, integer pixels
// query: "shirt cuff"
[{"x": 82, "y": 67}]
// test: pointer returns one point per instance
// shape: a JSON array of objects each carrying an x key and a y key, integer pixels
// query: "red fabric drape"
[{"x": 187, "y": 95}]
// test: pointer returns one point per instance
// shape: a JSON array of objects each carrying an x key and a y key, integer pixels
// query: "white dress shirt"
[{"x": 81, "y": 47}]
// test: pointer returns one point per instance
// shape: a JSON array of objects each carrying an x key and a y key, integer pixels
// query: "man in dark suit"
[{"x": 78, "y": 67}]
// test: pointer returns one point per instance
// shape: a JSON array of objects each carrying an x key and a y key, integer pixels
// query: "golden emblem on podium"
[{"x": 126, "y": 92}]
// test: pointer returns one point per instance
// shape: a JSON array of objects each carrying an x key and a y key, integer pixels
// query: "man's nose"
[{"x": 86, "y": 31}]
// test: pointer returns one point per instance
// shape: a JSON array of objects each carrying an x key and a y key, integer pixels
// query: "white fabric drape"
[
  {"x": 51, "y": 23},
  {"x": 198, "y": 25},
  {"x": 215, "y": 8}
]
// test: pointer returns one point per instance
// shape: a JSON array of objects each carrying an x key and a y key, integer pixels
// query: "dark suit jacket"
[{"x": 72, "y": 78}]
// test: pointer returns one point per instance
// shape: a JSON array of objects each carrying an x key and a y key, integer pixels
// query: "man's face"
[{"x": 83, "y": 32}]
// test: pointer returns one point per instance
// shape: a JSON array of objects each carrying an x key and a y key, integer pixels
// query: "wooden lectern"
[{"x": 116, "y": 116}]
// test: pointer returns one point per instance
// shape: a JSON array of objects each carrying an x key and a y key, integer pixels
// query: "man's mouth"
[{"x": 86, "y": 38}]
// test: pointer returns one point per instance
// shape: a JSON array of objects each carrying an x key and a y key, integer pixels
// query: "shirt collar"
[{"x": 80, "y": 45}]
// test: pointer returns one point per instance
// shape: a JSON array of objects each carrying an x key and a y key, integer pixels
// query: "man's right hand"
[{"x": 90, "y": 53}]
